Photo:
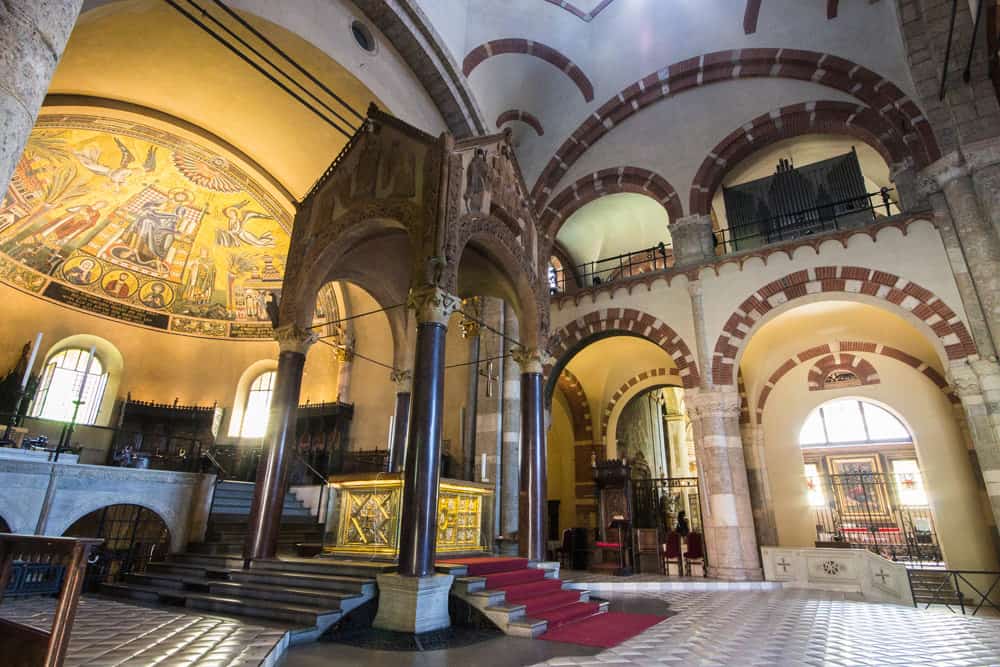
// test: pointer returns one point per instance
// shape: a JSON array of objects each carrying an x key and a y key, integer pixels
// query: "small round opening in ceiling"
[{"x": 363, "y": 36}]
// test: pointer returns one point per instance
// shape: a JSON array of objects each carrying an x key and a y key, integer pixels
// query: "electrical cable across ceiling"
[{"x": 227, "y": 26}]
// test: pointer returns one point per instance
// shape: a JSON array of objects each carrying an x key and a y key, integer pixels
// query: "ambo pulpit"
[{"x": 364, "y": 510}]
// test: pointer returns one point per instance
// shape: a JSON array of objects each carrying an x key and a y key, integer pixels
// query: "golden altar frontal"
[{"x": 364, "y": 512}]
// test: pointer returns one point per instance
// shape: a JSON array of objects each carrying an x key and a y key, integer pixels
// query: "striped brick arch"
[
  {"x": 606, "y": 182},
  {"x": 824, "y": 69},
  {"x": 510, "y": 115},
  {"x": 626, "y": 321},
  {"x": 579, "y": 13},
  {"x": 527, "y": 47},
  {"x": 844, "y": 355},
  {"x": 905, "y": 294},
  {"x": 579, "y": 407},
  {"x": 670, "y": 377},
  {"x": 820, "y": 117}
]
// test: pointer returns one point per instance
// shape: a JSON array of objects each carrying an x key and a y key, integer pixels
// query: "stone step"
[
  {"x": 209, "y": 561},
  {"x": 299, "y": 614},
  {"x": 325, "y": 566},
  {"x": 354, "y": 585},
  {"x": 178, "y": 582},
  {"x": 308, "y": 596}
]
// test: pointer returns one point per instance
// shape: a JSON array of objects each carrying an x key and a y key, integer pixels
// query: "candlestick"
[
  {"x": 31, "y": 360},
  {"x": 392, "y": 429},
  {"x": 484, "y": 467}
]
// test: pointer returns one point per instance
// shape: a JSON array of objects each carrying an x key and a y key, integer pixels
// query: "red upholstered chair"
[
  {"x": 672, "y": 553},
  {"x": 695, "y": 554}
]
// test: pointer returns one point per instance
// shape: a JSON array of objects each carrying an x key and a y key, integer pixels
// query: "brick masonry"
[
  {"x": 527, "y": 47},
  {"x": 824, "y": 69},
  {"x": 670, "y": 377},
  {"x": 819, "y": 117},
  {"x": 844, "y": 355},
  {"x": 911, "y": 297},
  {"x": 605, "y": 182},
  {"x": 531, "y": 120},
  {"x": 579, "y": 407},
  {"x": 627, "y": 321}
]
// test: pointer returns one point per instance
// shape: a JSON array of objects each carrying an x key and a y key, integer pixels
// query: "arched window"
[
  {"x": 848, "y": 421},
  {"x": 557, "y": 275},
  {"x": 60, "y": 385},
  {"x": 258, "y": 406}
]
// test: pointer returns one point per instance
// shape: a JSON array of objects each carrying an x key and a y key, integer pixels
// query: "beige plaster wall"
[
  {"x": 961, "y": 523},
  {"x": 561, "y": 472}
]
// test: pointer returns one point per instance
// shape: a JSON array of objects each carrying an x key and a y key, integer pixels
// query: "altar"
[{"x": 364, "y": 510}]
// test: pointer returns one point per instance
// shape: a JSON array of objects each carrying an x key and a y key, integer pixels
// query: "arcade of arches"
[{"x": 733, "y": 256}]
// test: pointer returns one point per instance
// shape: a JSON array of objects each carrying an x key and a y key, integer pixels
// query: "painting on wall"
[
  {"x": 858, "y": 486},
  {"x": 135, "y": 221}
]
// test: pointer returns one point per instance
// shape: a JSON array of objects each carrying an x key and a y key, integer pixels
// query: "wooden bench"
[{"x": 23, "y": 645}]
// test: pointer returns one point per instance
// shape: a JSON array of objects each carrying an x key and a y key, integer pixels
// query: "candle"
[
  {"x": 31, "y": 360},
  {"x": 392, "y": 428},
  {"x": 484, "y": 467}
]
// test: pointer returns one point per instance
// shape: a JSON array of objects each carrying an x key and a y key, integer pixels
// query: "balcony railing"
[
  {"x": 843, "y": 214},
  {"x": 610, "y": 269}
]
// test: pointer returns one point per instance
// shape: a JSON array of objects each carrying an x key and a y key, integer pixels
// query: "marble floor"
[
  {"x": 801, "y": 628},
  {"x": 108, "y": 633}
]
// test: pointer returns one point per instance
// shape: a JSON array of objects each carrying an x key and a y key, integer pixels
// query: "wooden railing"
[{"x": 27, "y": 646}]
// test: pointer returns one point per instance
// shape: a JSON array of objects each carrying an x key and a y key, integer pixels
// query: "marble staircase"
[
  {"x": 309, "y": 595},
  {"x": 518, "y": 596}
]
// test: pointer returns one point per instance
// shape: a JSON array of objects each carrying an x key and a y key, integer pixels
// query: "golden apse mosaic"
[{"x": 134, "y": 221}]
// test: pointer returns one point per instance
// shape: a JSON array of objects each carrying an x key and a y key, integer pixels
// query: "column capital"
[
  {"x": 531, "y": 360},
  {"x": 718, "y": 402},
  {"x": 293, "y": 338},
  {"x": 695, "y": 288},
  {"x": 432, "y": 304},
  {"x": 402, "y": 378},
  {"x": 940, "y": 173}
]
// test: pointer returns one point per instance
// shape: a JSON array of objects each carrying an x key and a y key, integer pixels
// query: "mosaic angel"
[{"x": 237, "y": 234}]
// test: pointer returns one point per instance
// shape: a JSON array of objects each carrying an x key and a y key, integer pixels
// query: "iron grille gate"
[
  {"x": 658, "y": 502},
  {"x": 873, "y": 511}
]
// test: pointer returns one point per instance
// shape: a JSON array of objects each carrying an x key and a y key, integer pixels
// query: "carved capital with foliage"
[
  {"x": 531, "y": 360},
  {"x": 432, "y": 304},
  {"x": 293, "y": 338},
  {"x": 403, "y": 379}
]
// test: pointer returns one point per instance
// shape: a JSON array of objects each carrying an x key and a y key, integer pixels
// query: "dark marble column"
[
  {"x": 401, "y": 420},
  {"x": 418, "y": 527},
  {"x": 272, "y": 472},
  {"x": 534, "y": 491}
]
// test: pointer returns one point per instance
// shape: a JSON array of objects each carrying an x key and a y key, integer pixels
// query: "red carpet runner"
[{"x": 569, "y": 619}]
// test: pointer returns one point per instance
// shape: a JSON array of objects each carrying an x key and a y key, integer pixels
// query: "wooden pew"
[{"x": 26, "y": 646}]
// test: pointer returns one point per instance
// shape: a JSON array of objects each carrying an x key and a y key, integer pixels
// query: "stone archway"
[{"x": 855, "y": 282}]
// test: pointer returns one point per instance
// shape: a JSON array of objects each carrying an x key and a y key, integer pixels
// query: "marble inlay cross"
[
  {"x": 882, "y": 575},
  {"x": 783, "y": 564}
]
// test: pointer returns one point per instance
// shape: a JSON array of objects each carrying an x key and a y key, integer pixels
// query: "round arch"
[
  {"x": 607, "y": 182},
  {"x": 253, "y": 371},
  {"x": 820, "y": 117},
  {"x": 639, "y": 383},
  {"x": 823, "y": 69},
  {"x": 575, "y": 335},
  {"x": 579, "y": 407},
  {"x": 927, "y": 311},
  {"x": 111, "y": 359}
]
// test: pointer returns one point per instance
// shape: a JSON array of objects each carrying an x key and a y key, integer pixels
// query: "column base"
[
  {"x": 547, "y": 565},
  {"x": 413, "y": 604},
  {"x": 735, "y": 573}
]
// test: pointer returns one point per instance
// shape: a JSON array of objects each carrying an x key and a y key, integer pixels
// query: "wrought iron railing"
[
  {"x": 843, "y": 214},
  {"x": 659, "y": 502},
  {"x": 882, "y": 512},
  {"x": 610, "y": 269},
  {"x": 960, "y": 588}
]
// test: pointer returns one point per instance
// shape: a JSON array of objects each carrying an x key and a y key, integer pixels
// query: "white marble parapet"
[{"x": 843, "y": 570}]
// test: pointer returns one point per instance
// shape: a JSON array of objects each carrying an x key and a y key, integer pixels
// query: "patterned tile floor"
[
  {"x": 600, "y": 581},
  {"x": 108, "y": 633},
  {"x": 800, "y": 628}
]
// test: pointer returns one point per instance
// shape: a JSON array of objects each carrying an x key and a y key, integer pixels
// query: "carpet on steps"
[
  {"x": 568, "y": 613},
  {"x": 603, "y": 630},
  {"x": 478, "y": 567},
  {"x": 505, "y": 579}
]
